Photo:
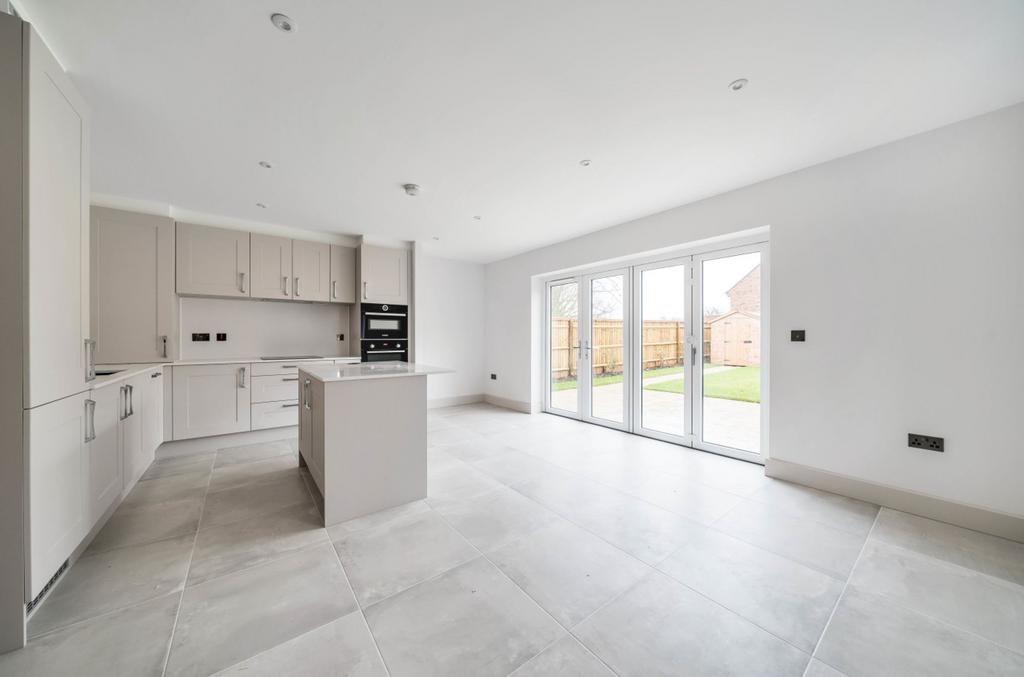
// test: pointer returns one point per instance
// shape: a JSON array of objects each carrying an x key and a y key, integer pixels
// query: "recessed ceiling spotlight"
[
  {"x": 282, "y": 22},
  {"x": 411, "y": 189},
  {"x": 584, "y": 163},
  {"x": 261, "y": 205},
  {"x": 436, "y": 237},
  {"x": 477, "y": 217},
  {"x": 265, "y": 164},
  {"x": 737, "y": 85}
]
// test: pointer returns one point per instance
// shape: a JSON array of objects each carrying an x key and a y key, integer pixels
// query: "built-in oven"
[
  {"x": 380, "y": 350},
  {"x": 384, "y": 321}
]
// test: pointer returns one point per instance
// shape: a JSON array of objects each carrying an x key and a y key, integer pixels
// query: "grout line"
[
  {"x": 188, "y": 571},
  {"x": 842, "y": 593}
]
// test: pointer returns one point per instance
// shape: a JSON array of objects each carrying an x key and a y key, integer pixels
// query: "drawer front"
[
  {"x": 274, "y": 414},
  {"x": 275, "y": 388},
  {"x": 276, "y": 368}
]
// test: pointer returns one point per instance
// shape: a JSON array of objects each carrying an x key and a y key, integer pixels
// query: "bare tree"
[
  {"x": 606, "y": 298},
  {"x": 565, "y": 301}
]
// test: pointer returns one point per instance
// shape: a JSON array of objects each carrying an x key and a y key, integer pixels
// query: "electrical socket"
[
  {"x": 926, "y": 442},
  {"x": 494, "y": 377}
]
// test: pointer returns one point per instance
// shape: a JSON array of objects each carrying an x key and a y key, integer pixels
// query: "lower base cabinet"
[
  {"x": 58, "y": 466},
  {"x": 106, "y": 468},
  {"x": 274, "y": 414},
  {"x": 211, "y": 399}
]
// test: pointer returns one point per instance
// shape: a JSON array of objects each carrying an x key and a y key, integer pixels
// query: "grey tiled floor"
[{"x": 545, "y": 547}]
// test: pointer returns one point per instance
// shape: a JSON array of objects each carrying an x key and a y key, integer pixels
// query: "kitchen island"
[{"x": 363, "y": 435}]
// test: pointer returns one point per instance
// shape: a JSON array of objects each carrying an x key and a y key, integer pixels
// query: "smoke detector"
[{"x": 411, "y": 189}]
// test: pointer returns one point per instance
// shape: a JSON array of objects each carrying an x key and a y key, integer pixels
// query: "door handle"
[
  {"x": 241, "y": 377},
  {"x": 163, "y": 341},
  {"x": 242, "y": 286},
  {"x": 334, "y": 289},
  {"x": 90, "y": 420},
  {"x": 693, "y": 353}
]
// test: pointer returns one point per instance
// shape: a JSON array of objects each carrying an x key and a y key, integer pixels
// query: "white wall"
[
  {"x": 904, "y": 265},
  {"x": 449, "y": 326},
  {"x": 256, "y": 328}
]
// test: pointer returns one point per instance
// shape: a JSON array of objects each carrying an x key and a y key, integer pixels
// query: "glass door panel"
[
  {"x": 564, "y": 346},
  {"x": 663, "y": 349},
  {"x": 605, "y": 347},
  {"x": 730, "y": 402}
]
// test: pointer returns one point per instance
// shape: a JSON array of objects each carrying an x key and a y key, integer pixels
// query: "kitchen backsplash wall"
[{"x": 256, "y": 328}]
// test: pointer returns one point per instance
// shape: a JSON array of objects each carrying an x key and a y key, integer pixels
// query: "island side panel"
[{"x": 375, "y": 445}]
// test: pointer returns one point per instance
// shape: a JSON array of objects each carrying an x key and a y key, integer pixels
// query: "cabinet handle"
[
  {"x": 131, "y": 400},
  {"x": 296, "y": 287},
  {"x": 285, "y": 406},
  {"x": 90, "y": 359},
  {"x": 122, "y": 403},
  {"x": 242, "y": 276},
  {"x": 334, "y": 289},
  {"x": 291, "y": 379},
  {"x": 364, "y": 290},
  {"x": 284, "y": 285},
  {"x": 289, "y": 366},
  {"x": 163, "y": 341},
  {"x": 241, "y": 377},
  {"x": 307, "y": 394},
  {"x": 90, "y": 420}
]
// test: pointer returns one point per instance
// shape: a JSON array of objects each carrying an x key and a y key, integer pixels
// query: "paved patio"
[{"x": 730, "y": 423}]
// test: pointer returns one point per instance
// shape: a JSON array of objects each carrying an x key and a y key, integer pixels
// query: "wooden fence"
[{"x": 664, "y": 345}]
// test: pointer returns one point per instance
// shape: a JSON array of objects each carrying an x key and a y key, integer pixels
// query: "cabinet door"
[
  {"x": 152, "y": 413},
  {"x": 106, "y": 476},
  {"x": 385, "y": 275},
  {"x": 58, "y": 462},
  {"x": 135, "y": 462},
  {"x": 343, "y": 274},
  {"x": 274, "y": 414},
  {"x": 57, "y": 187},
  {"x": 212, "y": 261},
  {"x": 210, "y": 399},
  {"x": 311, "y": 267},
  {"x": 270, "y": 260},
  {"x": 134, "y": 313}
]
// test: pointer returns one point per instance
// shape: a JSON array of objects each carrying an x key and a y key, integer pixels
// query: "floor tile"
[
  {"x": 254, "y": 452},
  {"x": 513, "y": 467},
  {"x": 147, "y": 523},
  {"x": 241, "y": 474},
  {"x": 128, "y": 642},
  {"x": 837, "y": 511},
  {"x": 989, "y": 554},
  {"x": 107, "y": 581},
  {"x": 170, "y": 488},
  {"x": 235, "y": 617},
  {"x": 663, "y": 628},
  {"x": 819, "y": 669},
  {"x": 453, "y": 482},
  {"x": 689, "y": 499},
  {"x": 568, "y": 571},
  {"x": 787, "y": 599},
  {"x": 389, "y": 558},
  {"x": 496, "y": 517},
  {"x": 246, "y": 543},
  {"x": 816, "y": 545},
  {"x": 564, "y": 658},
  {"x": 475, "y": 450},
  {"x": 967, "y": 599},
  {"x": 239, "y": 503},
  {"x": 727, "y": 474},
  {"x": 180, "y": 465},
  {"x": 376, "y": 519},
  {"x": 470, "y": 621},
  {"x": 871, "y": 636},
  {"x": 453, "y": 435},
  {"x": 342, "y": 648}
]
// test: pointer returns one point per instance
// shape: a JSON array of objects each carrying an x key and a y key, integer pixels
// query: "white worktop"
[
  {"x": 127, "y": 371},
  {"x": 368, "y": 370}
]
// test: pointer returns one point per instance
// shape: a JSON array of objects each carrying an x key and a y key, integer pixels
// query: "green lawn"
[{"x": 737, "y": 383}]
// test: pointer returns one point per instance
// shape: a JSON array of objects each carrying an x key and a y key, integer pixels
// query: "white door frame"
[
  {"x": 548, "y": 405},
  {"x": 585, "y": 381}
]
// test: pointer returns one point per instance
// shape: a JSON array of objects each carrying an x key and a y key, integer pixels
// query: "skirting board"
[
  {"x": 514, "y": 405},
  {"x": 439, "y": 402},
  {"x": 967, "y": 516}
]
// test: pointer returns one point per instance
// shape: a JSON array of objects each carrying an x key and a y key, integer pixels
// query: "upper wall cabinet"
[
  {"x": 384, "y": 274},
  {"x": 343, "y": 274},
  {"x": 311, "y": 267},
  {"x": 133, "y": 270},
  {"x": 270, "y": 260},
  {"x": 212, "y": 261},
  {"x": 57, "y": 233}
]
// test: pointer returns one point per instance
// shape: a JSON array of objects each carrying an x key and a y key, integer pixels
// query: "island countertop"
[{"x": 369, "y": 370}]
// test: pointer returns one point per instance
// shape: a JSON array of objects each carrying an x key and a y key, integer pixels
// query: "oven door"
[
  {"x": 385, "y": 356},
  {"x": 385, "y": 323}
]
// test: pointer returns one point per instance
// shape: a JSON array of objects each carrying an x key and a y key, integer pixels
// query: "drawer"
[
  {"x": 275, "y": 388},
  {"x": 277, "y": 368},
  {"x": 274, "y": 414}
]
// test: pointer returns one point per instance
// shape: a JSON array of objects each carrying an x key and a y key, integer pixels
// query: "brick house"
[{"x": 745, "y": 295}]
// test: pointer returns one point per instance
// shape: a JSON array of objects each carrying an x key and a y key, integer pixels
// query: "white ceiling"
[{"x": 490, "y": 106}]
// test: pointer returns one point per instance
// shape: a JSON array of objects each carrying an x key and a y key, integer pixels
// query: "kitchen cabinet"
[
  {"x": 132, "y": 269},
  {"x": 343, "y": 274},
  {"x": 133, "y": 450},
  {"x": 106, "y": 471},
  {"x": 311, "y": 268},
  {"x": 58, "y": 463},
  {"x": 211, "y": 261},
  {"x": 270, "y": 261},
  {"x": 210, "y": 399},
  {"x": 384, "y": 275},
  {"x": 57, "y": 236},
  {"x": 152, "y": 389},
  {"x": 275, "y": 414}
]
